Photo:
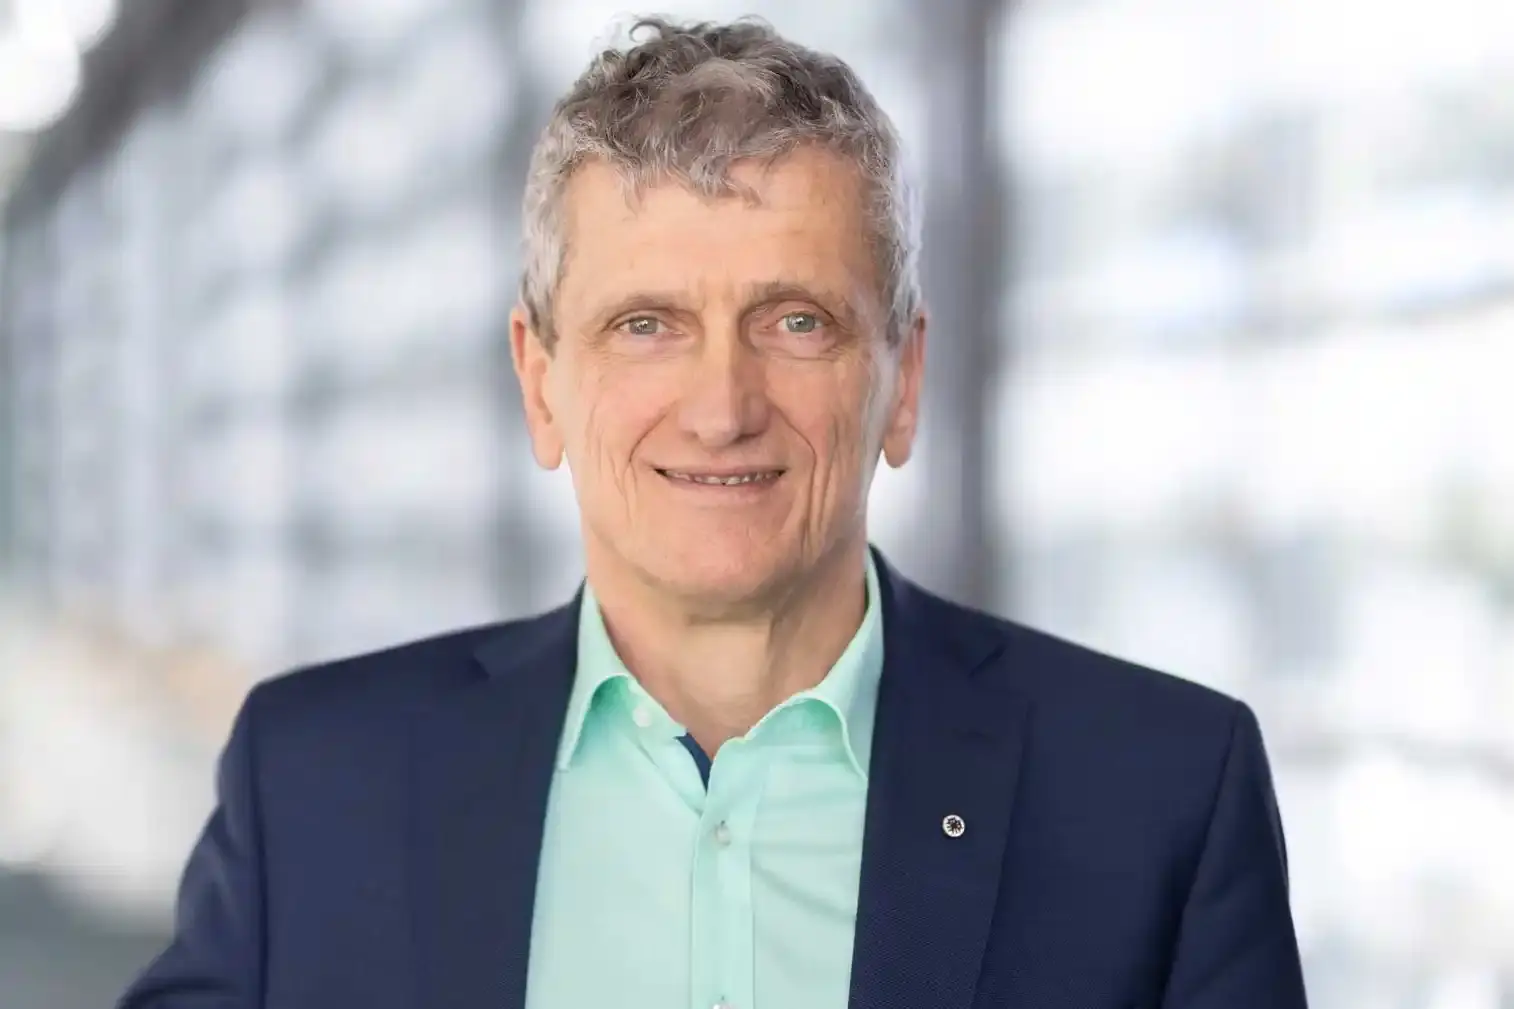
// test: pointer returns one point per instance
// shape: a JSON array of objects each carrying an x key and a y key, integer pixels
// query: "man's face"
[{"x": 721, "y": 384}]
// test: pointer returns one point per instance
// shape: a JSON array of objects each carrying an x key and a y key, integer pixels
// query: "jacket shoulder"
[
  {"x": 1104, "y": 728},
  {"x": 392, "y": 679},
  {"x": 1058, "y": 673}
]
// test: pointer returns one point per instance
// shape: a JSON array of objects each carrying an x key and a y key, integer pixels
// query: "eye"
[
  {"x": 801, "y": 323},
  {"x": 642, "y": 325}
]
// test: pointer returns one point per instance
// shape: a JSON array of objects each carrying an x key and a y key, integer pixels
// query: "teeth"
[{"x": 723, "y": 481}]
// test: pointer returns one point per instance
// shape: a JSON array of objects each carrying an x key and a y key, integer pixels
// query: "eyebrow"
[{"x": 762, "y": 294}]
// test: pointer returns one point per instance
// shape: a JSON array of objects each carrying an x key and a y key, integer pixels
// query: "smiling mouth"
[{"x": 742, "y": 479}]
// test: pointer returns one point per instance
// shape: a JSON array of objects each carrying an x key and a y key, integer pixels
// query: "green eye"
[{"x": 801, "y": 322}]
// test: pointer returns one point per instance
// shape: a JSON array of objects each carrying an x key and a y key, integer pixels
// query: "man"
[{"x": 751, "y": 765}]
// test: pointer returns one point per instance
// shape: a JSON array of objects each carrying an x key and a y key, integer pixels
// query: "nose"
[{"x": 726, "y": 398}]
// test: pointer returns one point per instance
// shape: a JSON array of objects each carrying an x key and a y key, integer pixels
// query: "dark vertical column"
[{"x": 964, "y": 270}]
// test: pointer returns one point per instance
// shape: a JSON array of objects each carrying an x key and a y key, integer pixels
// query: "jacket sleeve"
[
  {"x": 214, "y": 960},
  {"x": 1236, "y": 946}
]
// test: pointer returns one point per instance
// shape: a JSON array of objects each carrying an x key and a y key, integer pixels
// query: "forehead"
[{"x": 803, "y": 223}]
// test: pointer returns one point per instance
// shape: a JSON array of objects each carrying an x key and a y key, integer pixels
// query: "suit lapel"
[
  {"x": 482, "y": 760},
  {"x": 947, "y": 743}
]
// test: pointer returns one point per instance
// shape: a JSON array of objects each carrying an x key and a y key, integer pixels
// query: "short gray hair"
[{"x": 688, "y": 103}]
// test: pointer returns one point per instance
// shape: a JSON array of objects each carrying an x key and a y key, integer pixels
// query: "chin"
[{"x": 720, "y": 577}]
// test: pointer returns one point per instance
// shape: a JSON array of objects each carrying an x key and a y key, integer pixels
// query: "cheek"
[
  {"x": 835, "y": 415},
  {"x": 619, "y": 410}
]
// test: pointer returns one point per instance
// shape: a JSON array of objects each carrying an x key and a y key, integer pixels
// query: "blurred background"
[{"x": 1223, "y": 295}]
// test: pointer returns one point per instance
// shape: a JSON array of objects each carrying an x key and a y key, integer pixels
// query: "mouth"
[{"x": 723, "y": 478}]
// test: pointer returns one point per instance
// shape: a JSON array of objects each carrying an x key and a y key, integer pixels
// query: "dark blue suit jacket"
[{"x": 379, "y": 822}]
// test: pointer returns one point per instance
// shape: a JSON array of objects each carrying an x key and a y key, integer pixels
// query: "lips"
[{"x": 722, "y": 479}]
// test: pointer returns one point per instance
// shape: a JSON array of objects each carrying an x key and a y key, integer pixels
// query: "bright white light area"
[
  {"x": 897, "y": 517},
  {"x": 1486, "y": 413},
  {"x": 1314, "y": 49},
  {"x": 85, "y": 21},
  {"x": 371, "y": 604},
  {"x": 557, "y": 542},
  {"x": 39, "y": 76},
  {"x": 1306, "y": 795},
  {"x": 1475, "y": 987},
  {"x": 432, "y": 461},
  {"x": 1420, "y": 858},
  {"x": 1178, "y": 611},
  {"x": 1093, "y": 82},
  {"x": 1184, "y": 286},
  {"x": 95, "y": 789},
  {"x": 1119, "y": 445},
  {"x": 1419, "y": 656},
  {"x": 1131, "y": 82},
  {"x": 1384, "y": 832},
  {"x": 1362, "y": 429},
  {"x": 1475, "y": 852},
  {"x": 1432, "y": 245}
]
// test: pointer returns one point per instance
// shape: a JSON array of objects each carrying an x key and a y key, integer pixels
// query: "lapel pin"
[{"x": 953, "y": 825}]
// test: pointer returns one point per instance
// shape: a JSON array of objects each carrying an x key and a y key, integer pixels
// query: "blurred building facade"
[{"x": 1220, "y": 296}]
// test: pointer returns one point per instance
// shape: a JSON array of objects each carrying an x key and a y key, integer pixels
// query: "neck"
[{"x": 719, "y": 674}]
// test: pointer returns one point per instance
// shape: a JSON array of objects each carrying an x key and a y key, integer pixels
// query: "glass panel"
[{"x": 1267, "y": 302}]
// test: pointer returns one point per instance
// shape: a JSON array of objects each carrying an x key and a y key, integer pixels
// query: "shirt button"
[
  {"x": 642, "y": 716},
  {"x": 722, "y": 838}
]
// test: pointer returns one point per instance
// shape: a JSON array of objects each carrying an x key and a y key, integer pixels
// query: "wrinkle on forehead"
[{"x": 809, "y": 213}]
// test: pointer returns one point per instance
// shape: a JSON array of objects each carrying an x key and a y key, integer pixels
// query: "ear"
[
  {"x": 904, "y": 413},
  {"x": 533, "y": 366}
]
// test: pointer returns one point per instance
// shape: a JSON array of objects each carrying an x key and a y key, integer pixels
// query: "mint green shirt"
[{"x": 656, "y": 891}]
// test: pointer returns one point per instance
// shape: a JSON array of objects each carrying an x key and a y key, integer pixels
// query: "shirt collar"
[
  {"x": 598, "y": 665},
  {"x": 850, "y": 689}
]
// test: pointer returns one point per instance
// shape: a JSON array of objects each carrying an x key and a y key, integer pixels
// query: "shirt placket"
[{"x": 723, "y": 935}]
